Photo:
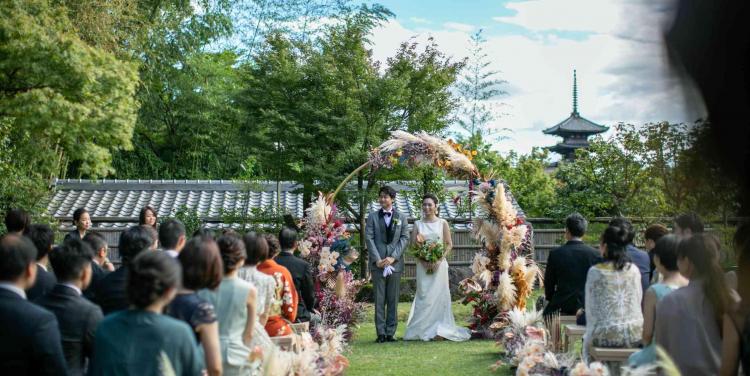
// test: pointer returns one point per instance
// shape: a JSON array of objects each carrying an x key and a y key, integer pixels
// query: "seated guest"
[
  {"x": 687, "y": 225},
  {"x": 257, "y": 251},
  {"x": 285, "y": 292},
  {"x": 201, "y": 269},
  {"x": 100, "y": 265},
  {"x": 77, "y": 317},
  {"x": 82, "y": 221},
  {"x": 301, "y": 273},
  {"x": 652, "y": 235},
  {"x": 17, "y": 221},
  {"x": 665, "y": 258},
  {"x": 688, "y": 321},
  {"x": 567, "y": 266},
  {"x": 111, "y": 292},
  {"x": 172, "y": 237},
  {"x": 141, "y": 340},
  {"x": 43, "y": 238},
  {"x": 638, "y": 257},
  {"x": 735, "y": 348},
  {"x": 29, "y": 335},
  {"x": 234, "y": 302},
  {"x": 148, "y": 217},
  {"x": 613, "y": 296}
]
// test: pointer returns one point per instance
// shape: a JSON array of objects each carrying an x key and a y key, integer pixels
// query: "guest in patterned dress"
[
  {"x": 665, "y": 259},
  {"x": 235, "y": 305},
  {"x": 201, "y": 269},
  {"x": 285, "y": 311},
  {"x": 613, "y": 297}
]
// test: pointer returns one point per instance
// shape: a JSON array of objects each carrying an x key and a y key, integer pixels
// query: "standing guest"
[
  {"x": 567, "y": 266},
  {"x": 100, "y": 265},
  {"x": 111, "y": 292},
  {"x": 43, "y": 238},
  {"x": 201, "y": 269},
  {"x": 301, "y": 273},
  {"x": 638, "y": 257},
  {"x": 285, "y": 292},
  {"x": 256, "y": 248},
  {"x": 17, "y": 221},
  {"x": 652, "y": 235},
  {"x": 172, "y": 237},
  {"x": 29, "y": 335},
  {"x": 141, "y": 340},
  {"x": 613, "y": 297},
  {"x": 148, "y": 217},
  {"x": 735, "y": 348},
  {"x": 82, "y": 221},
  {"x": 687, "y": 225},
  {"x": 688, "y": 321},
  {"x": 665, "y": 258},
  {"x": 76, "y": 316},
  {"x": 234, "y": 302}
]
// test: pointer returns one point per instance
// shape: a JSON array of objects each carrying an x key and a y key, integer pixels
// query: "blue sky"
[{"x": 615, "y": 45}]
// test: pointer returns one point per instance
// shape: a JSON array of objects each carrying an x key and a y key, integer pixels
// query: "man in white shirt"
[{"x": 172, "y": 237}]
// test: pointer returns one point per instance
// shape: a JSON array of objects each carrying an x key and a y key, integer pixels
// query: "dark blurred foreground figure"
[
  {"x": 141, "y": 340},
  {"x": 736, "y": 332},
  {"x": 77, "y": 316},
  {"x": 43, "y": 238},
  {"x": 29, "y": 335}
]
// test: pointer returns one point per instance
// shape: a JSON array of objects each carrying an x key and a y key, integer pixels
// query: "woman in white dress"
[{"x": 431, "y": 316}]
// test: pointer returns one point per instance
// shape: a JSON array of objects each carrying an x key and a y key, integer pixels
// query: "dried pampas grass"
[{"x": 506, "y": 292}]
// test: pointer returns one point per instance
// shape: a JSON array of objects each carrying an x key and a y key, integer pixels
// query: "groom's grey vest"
[{"x": 387, "y": 241}]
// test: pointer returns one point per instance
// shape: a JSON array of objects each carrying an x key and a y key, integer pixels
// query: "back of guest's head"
[
  {"x": 703, "y": 252},
  {"x": 274, "y": 247},
  {"x": 625, "y": 225},
  {"x": 689, "y": 221},
  {"x": 232, "y": 251},
  {"x": 150, "y": 276},
  {"x": 153, "y": 234},
  {"x": 202, "y": 267},
  {"x": 616, "y": 239},
  {"x": 203, "y": 233},
  {"x": 655, "y": 232},
  {"x": 96, "y": 241},
  {"x": 170, "y": 233},
  {"x": 287, "y": 238},
  {"x": 70, "y": 259},
  {"x": 133, "y": 241},
  {"x": 387, "y": 190},
  {"x": 78, "y": 213},
  {"x": 145, "y": 211},
  {"x": 17, "y": 220},
  {"x": 43, "y": 237},
  {"x": 666, "y": 250},
  {"x": 16, "y": 254},
  {"x": 256, "y": 247},
  {"x": 576, "y": 225}
]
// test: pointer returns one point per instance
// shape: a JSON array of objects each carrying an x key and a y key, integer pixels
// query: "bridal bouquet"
[{"x": 429, "y": 251}]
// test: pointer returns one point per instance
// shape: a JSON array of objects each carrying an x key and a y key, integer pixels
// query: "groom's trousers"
[{"x": 386, "y": 291}]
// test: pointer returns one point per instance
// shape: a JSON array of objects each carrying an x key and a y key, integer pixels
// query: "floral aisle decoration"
[
  {"x": 504, "y": 273},
  {"x": 325, "y": 245}
]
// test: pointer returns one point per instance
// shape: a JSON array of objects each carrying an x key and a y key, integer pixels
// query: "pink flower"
[{"x": 535, "y": 333}]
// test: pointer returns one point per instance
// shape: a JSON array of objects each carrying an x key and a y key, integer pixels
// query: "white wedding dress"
[{"x": 431, "y": 313}]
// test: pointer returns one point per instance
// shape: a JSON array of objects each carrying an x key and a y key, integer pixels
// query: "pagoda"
[{"x": 575, "y": 130}]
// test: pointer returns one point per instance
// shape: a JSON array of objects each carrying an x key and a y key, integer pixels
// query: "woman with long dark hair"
[
  {"x": 689, "y": 319},
  {"x": 148, "y": 217},
  {"x": 736, "y": 332},
  {"x": 613, "y": 296}
]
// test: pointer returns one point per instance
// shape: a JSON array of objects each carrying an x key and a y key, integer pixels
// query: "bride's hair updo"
[{"x": 434, "y": 200}]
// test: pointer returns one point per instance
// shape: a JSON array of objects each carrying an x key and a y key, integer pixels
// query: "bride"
[{"x": 431, "y": 316}]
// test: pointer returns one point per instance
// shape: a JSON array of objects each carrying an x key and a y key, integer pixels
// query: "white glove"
[{"x": 388, "y": 270}]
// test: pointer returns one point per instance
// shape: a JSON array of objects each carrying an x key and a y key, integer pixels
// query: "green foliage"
[
  {"x": 188, "y": 217},
  {"x": 266, "y": 219}
]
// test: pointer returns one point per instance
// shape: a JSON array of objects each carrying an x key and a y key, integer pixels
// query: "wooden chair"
[
  {"x": 300, "y": 327},
  {"x": 603, "y": 354},
  {"x": 285, "y": 342},
  {"x": 567, "y": 320},
  {"x": 572, "y": 334}
]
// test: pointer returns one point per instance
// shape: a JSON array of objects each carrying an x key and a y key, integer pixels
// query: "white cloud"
[
  {"x": 420, "y": 20},
  {"x": 623, "y": 73},
  {"x": 458, "y": 26}
]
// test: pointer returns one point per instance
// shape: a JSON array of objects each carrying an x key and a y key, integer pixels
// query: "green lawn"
[{"x": 420, "y": 358}]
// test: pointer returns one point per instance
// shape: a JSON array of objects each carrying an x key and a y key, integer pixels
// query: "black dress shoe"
[
  {"x": 390, "y": 339},
  {"x": 380, "y": 339}
]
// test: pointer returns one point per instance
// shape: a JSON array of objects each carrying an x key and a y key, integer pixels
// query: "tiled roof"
[
  {"x": 116, "y": 203},
  {"x": 576, "y": 124}
]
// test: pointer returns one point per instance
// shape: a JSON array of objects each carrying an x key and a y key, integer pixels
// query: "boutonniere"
[{"x": 396, "y": 221}]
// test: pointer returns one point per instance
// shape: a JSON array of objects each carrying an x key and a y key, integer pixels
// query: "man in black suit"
[
  {"x": 110, "y": 293},
  {"x": 100, "y": 265},
  {"x": 43, "y": 238},
  {"x": 29, "y": 335},
  {"x": 301, "y": 273},
  {"x": 567, "y": 267},
  {"x": 76, "y": 316}
]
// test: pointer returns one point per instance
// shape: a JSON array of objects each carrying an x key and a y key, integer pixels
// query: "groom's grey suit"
[{"x": 386, "y": 241}]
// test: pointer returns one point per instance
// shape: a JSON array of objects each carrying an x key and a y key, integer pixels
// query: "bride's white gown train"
[{"x": 431, "y": 313}]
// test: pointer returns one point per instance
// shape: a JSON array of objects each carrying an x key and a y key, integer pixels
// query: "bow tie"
[{"x": 387, "y": 214}]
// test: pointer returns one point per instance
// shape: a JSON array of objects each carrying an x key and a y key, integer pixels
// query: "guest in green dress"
[
  {"x": 141, "y": 341},
  {"x": 665, "y": 260}
]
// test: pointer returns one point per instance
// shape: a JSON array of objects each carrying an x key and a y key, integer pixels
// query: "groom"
[{"x": 387, "y": 236}]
